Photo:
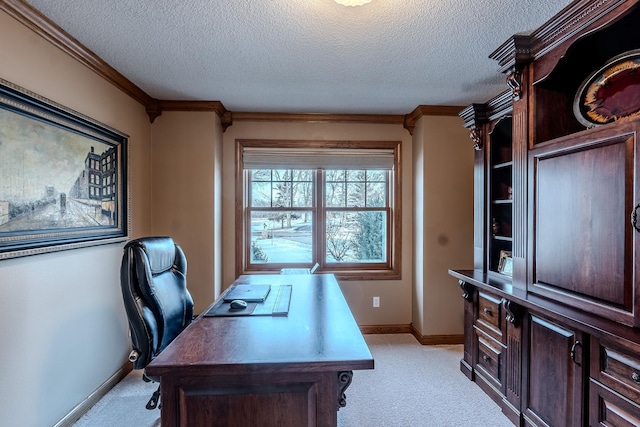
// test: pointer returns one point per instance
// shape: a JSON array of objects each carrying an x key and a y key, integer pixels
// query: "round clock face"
[{"x": 611, "y": 93}]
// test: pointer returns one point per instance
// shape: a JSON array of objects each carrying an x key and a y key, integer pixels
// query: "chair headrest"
[{"x": 161, "y": 252}]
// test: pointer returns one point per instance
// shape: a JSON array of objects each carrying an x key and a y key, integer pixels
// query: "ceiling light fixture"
[{"x": 352, "y": 2}]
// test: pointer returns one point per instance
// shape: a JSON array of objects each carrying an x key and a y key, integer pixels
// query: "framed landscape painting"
[{"x": 62, "y": 177}]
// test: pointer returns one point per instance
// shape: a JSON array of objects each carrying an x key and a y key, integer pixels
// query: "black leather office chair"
[{"x": 153, "y": 277}]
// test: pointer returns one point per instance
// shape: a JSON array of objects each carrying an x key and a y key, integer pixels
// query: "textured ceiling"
[{"x": 304, "y": 56}]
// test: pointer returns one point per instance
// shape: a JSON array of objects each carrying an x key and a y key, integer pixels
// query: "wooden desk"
[{"x": 265, "y": 370}]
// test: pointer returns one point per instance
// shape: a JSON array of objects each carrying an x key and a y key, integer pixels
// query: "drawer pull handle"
[
  {"x": 485, "y": 358},
  {"x": 634, "y": 218},
  {"x": 487, "y": 311},
  {"x": 635, "y": 377}
]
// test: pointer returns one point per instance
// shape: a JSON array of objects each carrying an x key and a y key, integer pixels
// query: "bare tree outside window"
[{"x": 282, "y": 216}]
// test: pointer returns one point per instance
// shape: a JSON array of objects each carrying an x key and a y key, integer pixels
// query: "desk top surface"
[{"x": 319, "y": 333}]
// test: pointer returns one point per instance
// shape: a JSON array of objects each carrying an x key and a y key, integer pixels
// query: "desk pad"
[
  {"x": 276, "y": 304},
  {"x": 222, "y": 308}
]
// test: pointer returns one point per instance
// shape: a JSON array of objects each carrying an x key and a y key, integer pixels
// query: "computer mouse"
[{"x": 238, "y": 304}]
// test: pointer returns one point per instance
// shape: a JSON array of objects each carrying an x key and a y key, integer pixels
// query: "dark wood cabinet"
[
  {"x": 583, "y": 190},
  {"x": 489, "y": 342},
  {"x": 615, "y": 383},
  {"x": 555, "y": 374},
  {"x": 609, "y": 408},
  {"x": 552, "y": 306},
  {"x": 491, "y": 128}
]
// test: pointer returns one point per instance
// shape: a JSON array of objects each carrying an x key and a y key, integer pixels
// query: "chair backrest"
[{"x": 153, "y": 277}]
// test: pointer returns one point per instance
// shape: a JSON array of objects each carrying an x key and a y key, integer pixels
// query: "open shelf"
[
  {"x": 500, "y": 215},
  {"x": 555, "y": 93}
]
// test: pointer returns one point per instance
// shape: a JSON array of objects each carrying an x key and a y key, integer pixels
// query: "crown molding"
[
  {"x": 229, "y": 117},
  {"x": 155, "y": 108},
  {"x": 476, "y": 115},
  {"x": 572, "y": 19},
  {"x": 412, "y": 118},
  {"x": 50, "y": 31},
  {"x": 318, "y": 118},
  {"x": 513, "y": 53},
  {"x": 521, "y": 49}
]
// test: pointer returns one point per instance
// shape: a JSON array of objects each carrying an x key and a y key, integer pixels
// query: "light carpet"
[{"x": 411, "y": 386}]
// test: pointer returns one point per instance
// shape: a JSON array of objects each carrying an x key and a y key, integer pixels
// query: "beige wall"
[
  {"x": 443, "y": 221},
  {"x": 417, "y": 299},
  {"x": 63, "y": 331},
  {"x": 395, "y": 295},
  {"x": 186, "y": 184}
]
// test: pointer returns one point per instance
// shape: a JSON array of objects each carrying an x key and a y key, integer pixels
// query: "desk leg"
[{"x": 168, "y": 409}]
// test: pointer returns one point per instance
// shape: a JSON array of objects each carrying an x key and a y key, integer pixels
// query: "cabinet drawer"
[
  {"x": 489, "y": 356},
  {"x": 609, "y": 408},
  {"x": 490, "y": 314},
  {"x": 617, "y": 368}
]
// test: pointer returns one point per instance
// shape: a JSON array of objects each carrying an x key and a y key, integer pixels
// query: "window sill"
[{"x": 344, "y": 274}]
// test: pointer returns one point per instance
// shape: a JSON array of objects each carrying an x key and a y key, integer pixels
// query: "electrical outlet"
[{"x": 376, "y": 301}]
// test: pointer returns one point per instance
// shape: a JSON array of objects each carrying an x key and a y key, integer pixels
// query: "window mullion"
[
  {"x": 320, "y": 229},
  {"x": 366, "y": 187},
  {"x": 345, "y": 191}
]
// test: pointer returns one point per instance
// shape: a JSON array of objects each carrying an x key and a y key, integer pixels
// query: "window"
[{"x": 307, "y": 202}]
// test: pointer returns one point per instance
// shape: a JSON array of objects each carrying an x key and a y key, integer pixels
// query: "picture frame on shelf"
[
  {"x": 63, "y": 177},
  {"x": 505, "y": 263}
]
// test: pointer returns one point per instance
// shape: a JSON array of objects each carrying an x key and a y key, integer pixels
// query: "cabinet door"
[
  {"x": 583, "y": 245},
  {"x": 555, "y": 376}
]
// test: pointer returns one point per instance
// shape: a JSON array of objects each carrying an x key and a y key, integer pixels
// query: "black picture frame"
[{"x": 63, "y": 177}]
